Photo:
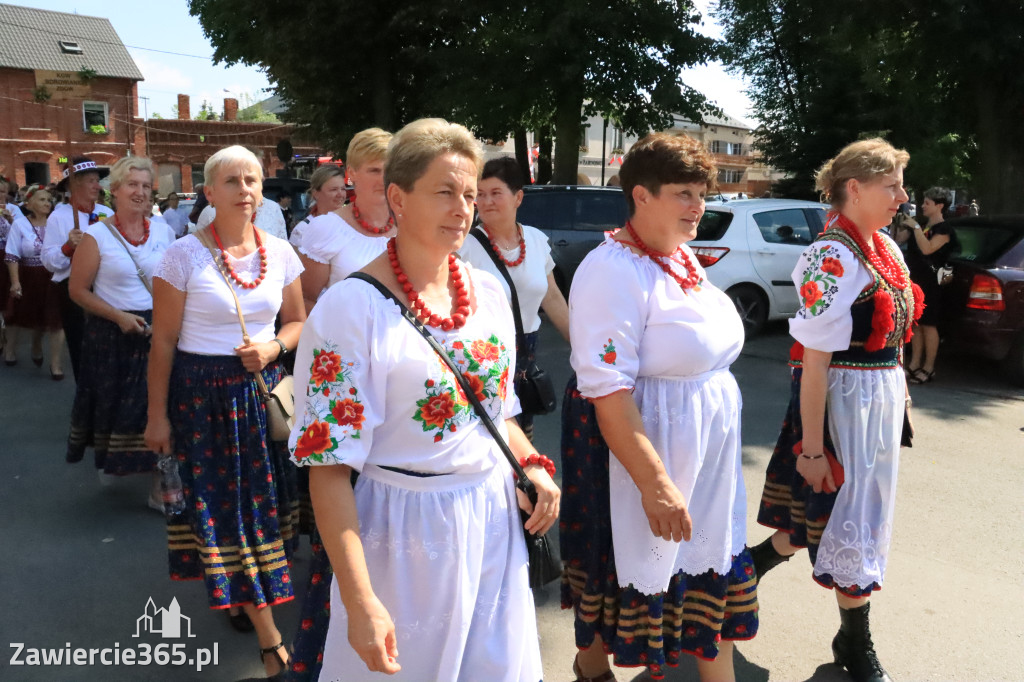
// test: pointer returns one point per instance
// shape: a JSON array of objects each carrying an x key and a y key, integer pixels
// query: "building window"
[
  {"x": 729, "y": 176},
  {"x": 617, "y": 139},
  {"x": 736, "y": 148},
  {"x": 94, "y": 116}
]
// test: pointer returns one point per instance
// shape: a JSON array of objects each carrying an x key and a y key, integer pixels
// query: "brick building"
[{"x": 68, "y": 87}]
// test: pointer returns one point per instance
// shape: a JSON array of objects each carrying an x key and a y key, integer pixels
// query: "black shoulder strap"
[
  {"x": 481, "y": 237},
  {"x": 524, "y": 483}
]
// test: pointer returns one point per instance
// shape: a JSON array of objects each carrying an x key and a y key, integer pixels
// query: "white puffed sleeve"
[
  {"x": 828, "y": 279},
  {"x": 340, "y": 382},
  {"x": 175, "y": 267},
  {"x": 607, "y": 315},
  {"x": 319, "y": 238}
]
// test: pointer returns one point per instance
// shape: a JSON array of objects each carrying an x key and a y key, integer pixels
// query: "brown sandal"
[{"x": 606, "y": 676}]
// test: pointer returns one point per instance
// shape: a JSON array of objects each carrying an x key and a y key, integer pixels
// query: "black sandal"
[
  {"x": 240, "y": 621},
  {"x": 922, "y": 376},
  {"x": 276, "y": 651}
]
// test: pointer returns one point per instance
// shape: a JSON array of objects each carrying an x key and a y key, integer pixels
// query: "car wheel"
[{"x": 752, "y": 305}]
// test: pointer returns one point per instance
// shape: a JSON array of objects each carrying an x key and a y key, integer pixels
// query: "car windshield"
[
  {"x": 986, "y": 243},
  {"x": 713, "y": 225}
]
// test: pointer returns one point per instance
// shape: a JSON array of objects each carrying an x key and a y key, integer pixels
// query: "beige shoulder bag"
[{"x": 280, "y": 402}]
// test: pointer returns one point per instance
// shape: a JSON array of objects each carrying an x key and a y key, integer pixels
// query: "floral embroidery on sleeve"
[
  {"x": 820, "y": 282},
  {"x": 333, "y": 408},
  {"x": 485, "y": 364},
  {"x": 608, "y": 354}
]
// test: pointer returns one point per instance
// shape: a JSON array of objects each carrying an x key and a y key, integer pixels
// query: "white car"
[{"x": 749, "y": 248}]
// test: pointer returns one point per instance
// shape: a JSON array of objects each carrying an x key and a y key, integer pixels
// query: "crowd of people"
[{"x": 419, "y": 570}]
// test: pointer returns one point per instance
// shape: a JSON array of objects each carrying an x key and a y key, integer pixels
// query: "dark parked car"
[
  {"x": 274, "y": 188},
  {"x": 575, "y": 219},
  {"x": 983, "y": 312}
]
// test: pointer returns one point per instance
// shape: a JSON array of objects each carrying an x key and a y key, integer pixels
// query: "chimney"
[
  {"x": 184, "y": 113},
  {"x": 230, "y": 109}
]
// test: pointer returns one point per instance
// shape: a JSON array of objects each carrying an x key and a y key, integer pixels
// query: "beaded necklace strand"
[
  {"x": 688, "y": 282},
  {"x": 227, "y": 263},
  {"x": 378, "y": 231},
  {"x": 145, "y": 232},
  {"x": 522, "y": 247},
  {"x": 460, "y": 306}
]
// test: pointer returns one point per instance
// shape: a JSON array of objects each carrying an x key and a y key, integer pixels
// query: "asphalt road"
[{"x": 80, "y": 561}]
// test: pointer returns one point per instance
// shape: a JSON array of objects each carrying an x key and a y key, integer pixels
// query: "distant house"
[{"x": 67, "y": 87}]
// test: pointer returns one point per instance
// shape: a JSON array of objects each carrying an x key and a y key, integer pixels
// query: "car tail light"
[
  {"x": 986, "y": 293},
  {"x": 709, "y": 255}
]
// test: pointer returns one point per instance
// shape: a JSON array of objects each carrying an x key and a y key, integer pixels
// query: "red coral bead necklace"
[
  {"x": 378, "y": 231},
  {"x": 688, "y": 282},
  {"x": 133, "y": 242},
  {"x": 227, "y": 263},
  {"x": 460, "y": 306},
  {"x": 522, "y": 247},
  {"x": 881, "y": 258}
]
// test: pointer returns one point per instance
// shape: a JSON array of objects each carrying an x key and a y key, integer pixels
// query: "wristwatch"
[{"x": 284, "y": 348}]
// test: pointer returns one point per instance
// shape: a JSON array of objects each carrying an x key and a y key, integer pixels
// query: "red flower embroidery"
[
  {"x": 832, "y": 266},
  {"x": 437, "y": 410},
  {"x": 477, "y": 384},
  {"x": 484, "y": 351},
  {"x": 325, "y": 368},
  {"x": 314, "y": 440},
  {"x": 307, "y": 623},
  {"x": 458, "y": 345},
  {"x": 348, "y": 413},
  {"x": 810, "y": 293}
]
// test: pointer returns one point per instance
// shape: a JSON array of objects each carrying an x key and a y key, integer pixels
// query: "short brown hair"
[
  {"x": 415, "y": 146},
  {"x": 863, "y": 161},
  {"x": 324, "y": 173},
  {"x": 663, "y": 159},
  {"x": 367, "y": 146}
]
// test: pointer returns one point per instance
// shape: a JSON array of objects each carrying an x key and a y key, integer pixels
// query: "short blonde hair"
[
  {"x": 415, "y": 146},
  {"x": 227, "y": 156},
  {"x": 367, "y": 146},
  {"x": 864, "y": 160},
  {"x": 120, "y": 170}
]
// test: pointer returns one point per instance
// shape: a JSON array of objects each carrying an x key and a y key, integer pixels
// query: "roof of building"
[
  {"x": 274, "y": 105},
  {"x": 32, "y": 39},
  {"x": 723, "y": 120}
]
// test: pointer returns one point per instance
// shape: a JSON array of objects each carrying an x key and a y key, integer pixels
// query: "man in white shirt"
[
  {"x": 269, "y": 218},
  {"x": 177, "y": 219},
  {"x": 6, "y": 191},
  {"x": 63, "y": 236}
]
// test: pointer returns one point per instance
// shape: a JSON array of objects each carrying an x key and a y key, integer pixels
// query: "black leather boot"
[
  {"x": 853, "y": 649},
  {"x": 766, "y": 557}
]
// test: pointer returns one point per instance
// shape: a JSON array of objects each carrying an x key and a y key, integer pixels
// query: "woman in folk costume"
[
  {"x": 205, "y": 406},
  {"x": 653, "y": 532},
  {"x": 430, "y": 564},
  {"x": 831, "y": 482}
]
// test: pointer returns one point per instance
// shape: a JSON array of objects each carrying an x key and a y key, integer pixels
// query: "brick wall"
[{"x": 37, "y": 132}]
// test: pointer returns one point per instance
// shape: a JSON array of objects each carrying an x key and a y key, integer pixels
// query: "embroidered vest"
[{"x": 865, "y": 321}]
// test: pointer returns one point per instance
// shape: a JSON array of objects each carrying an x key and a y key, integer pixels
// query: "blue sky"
[{"x": 168, "y": 26}]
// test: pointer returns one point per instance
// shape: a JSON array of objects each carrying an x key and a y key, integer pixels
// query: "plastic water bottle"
[{"x": 170, "y": 486}]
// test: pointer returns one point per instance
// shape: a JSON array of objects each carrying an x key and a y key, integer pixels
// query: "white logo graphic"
[{"x": 165, "y": 622}]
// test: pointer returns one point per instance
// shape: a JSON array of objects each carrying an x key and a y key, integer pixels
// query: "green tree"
[
  {"x": 939, "y": 78},
  {"x": 500, "y": 68},
  {"x": 206, "y": 112},
  {"x": 251, "y": 111}
]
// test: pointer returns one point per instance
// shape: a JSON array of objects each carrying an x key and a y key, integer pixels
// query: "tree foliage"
[
  {"x": 501, "y": 68},
  {"x": 937, "y": 77}
]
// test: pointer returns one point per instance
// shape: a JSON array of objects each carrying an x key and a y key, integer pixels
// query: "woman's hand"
[
  {"x": 816, "y": 472},
  {"x": 158, "y": 435},
  {"x": 666, "y": 510},
  {"x": 132, "y": 324},
  {"x": 256, "y": 356},
  {"x": 371, "y": 633},
  {"x": 16, "y": 290},
  {"x": 544, "y": 515}
]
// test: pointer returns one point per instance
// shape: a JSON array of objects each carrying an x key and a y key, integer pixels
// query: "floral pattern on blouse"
[
  {"x": 332, "y": 400},
  {"x": 820, "y": 280},
  {"x": 608, "y": 354},
  {"x": 445, "y": 407}
]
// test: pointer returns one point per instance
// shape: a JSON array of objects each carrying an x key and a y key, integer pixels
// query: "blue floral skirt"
[
  {"x": 789, "y": 504},
  {"x": 692, "y": 616},
  {"x": 109, "y": 413},
  {"x": 315, "y": 616},
  {"x": 239, "y": 529}
]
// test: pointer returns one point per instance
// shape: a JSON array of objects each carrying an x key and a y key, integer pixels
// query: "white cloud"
[{"x": 160, "y": 76}]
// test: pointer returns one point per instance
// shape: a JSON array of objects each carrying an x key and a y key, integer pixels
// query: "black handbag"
[
  {"x": 545, "y": 564},
  {"x": 533, "y": 385}
]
